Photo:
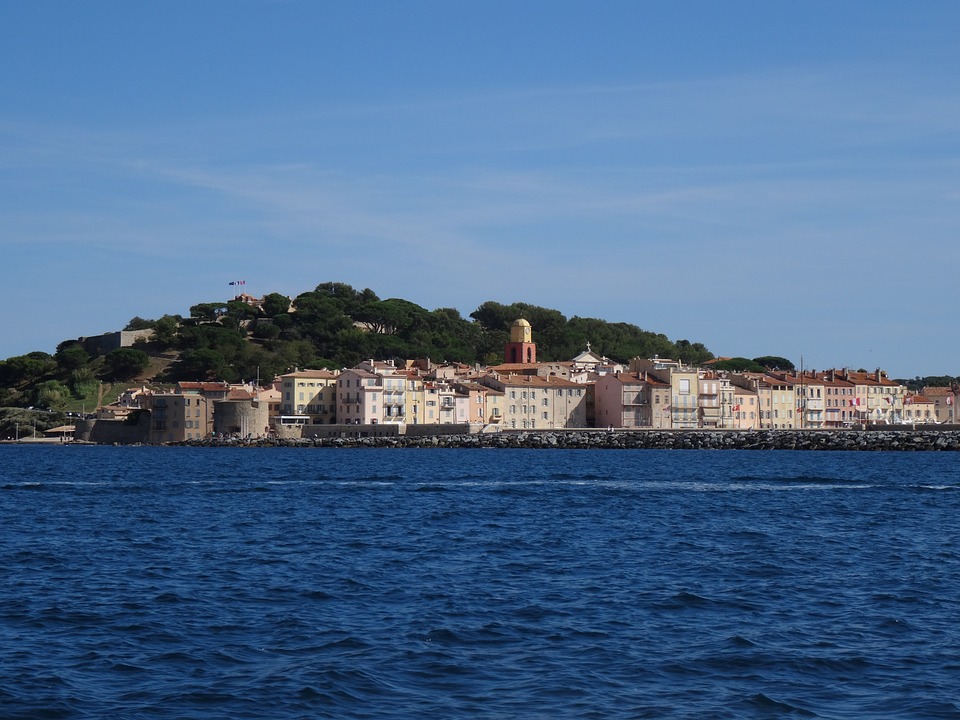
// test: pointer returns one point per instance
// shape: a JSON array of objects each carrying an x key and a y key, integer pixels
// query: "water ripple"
[{"x": 148, "y": 583}]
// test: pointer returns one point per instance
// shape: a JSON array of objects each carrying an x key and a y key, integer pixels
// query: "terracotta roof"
[
  {"x": 630, "y": 378},
  {"x": 476, "y": 387},
  {"x": 537, "y": 381},
  {"x": 514, "y": 367},
  {"x": 361, "y": 373},
  {"x": 203, "y": 386},
  {"x": 315, "y": 374}
]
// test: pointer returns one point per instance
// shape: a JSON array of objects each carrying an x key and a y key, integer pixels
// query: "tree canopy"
[
  {"x": 333, "y": 325},
  {"x": 125, "y": 363}
]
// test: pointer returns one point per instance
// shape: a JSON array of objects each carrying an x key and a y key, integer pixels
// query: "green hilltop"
[{"x": 331, "y": 326}]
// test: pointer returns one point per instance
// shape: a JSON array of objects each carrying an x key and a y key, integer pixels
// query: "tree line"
[{"x": 334, "y": 326}]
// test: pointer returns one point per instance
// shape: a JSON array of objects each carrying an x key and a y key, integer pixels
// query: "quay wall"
[{"x": 868, "y": 440}]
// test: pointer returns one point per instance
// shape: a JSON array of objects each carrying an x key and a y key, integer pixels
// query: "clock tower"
[{"x": 521, "y": 348}]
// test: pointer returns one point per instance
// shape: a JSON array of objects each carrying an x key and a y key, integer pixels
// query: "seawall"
[{"x": 869, "y": 440}]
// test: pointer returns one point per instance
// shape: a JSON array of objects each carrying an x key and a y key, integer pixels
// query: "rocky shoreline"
[{"x": 869, "y": 440}]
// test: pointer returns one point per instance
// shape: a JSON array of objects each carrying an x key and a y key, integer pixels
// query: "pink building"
[
  {"x": 359, "y": 397},
  {"x": 631, "y": 400}
]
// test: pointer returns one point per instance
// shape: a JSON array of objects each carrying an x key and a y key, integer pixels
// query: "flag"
[
  {"x": 949, "y": 399},
  {"x": 889, "y": 400},
  {"x": 238, "y": 282},
  {"x": 736, "y": 408}
]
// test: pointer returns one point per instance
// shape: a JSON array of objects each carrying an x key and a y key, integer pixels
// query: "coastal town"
[{"x": 418, "y": 397}]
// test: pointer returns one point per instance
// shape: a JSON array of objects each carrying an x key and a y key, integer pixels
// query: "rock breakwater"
[{"x": 870, "y": 440}]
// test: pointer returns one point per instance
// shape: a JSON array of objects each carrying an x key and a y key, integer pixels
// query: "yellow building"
[
  {"x": 681, "y": 408},
  {"x": 413, "y": 399},
  {"x": 308, "y": 397},
  {"x": 539, "y": 403}
]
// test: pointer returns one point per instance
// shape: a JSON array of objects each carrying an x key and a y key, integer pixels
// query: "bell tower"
[{"x": 521, "y": 348}]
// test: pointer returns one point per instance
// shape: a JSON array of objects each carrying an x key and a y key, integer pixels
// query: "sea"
[{"x": 193, "y": 583}]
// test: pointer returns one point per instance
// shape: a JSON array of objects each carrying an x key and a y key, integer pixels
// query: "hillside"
[{"x": 331, "y": 326}]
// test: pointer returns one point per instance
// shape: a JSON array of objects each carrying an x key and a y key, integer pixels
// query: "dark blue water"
[{"x": 259, "y": 583}]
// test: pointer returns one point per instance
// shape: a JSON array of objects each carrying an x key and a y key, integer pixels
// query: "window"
[
  {"x": 684, "y": 386},
  {"x": 545, "y": 416}
]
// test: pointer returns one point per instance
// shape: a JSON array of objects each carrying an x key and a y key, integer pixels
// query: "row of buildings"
[{"x": 524, "y": 394}]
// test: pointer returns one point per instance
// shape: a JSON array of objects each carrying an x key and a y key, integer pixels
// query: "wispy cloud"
[{"x": 664, "y": 191}]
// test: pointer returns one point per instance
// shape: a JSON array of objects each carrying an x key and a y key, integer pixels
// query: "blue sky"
[{"x": 763, "y": 177}]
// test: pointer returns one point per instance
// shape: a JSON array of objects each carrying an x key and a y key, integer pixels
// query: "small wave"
[
  {"x": 688, "y": 599},
  {"x": 127, "y": 668},
  {"x": 795, "y": 485},
  {"x": 767, "y": 704},
  {"x": 740, "y": 642},
  {"x": 799, "y": 479},
  {"x": 169, "y": 597}
]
